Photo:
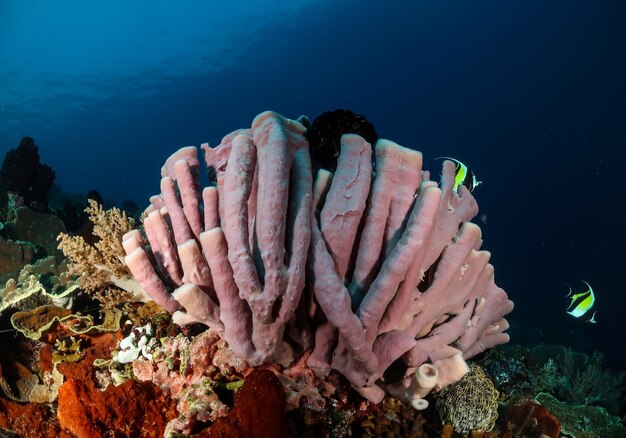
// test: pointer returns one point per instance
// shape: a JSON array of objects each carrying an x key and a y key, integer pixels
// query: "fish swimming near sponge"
[
  {"x": 463, "y": 175},
  {"x": 581, "y": 305}
]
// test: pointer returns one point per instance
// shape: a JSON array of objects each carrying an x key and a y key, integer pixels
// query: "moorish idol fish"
[
  {"x": 581, "y": 305},
  {"x": 463, "y": 175}
]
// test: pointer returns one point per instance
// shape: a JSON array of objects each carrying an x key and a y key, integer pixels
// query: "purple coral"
[{"x": 236, "y": 256}]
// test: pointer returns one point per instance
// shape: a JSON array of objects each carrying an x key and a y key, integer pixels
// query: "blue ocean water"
[{"x": 530, "y": 94}]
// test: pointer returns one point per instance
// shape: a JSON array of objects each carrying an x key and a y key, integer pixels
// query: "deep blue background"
[{"x": 530, "y": 94}]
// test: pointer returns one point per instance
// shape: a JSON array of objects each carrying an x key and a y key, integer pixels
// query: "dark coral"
[
  {"x": 22, "y": 174},
  {"x": 396, "y": 418},
  {"x": 324, "y": 135},
  {"x": 259, "y": 410},
  {"x": 528, "y": 419},
  {"x": 509, "y": 374},
  {"x": 29, "y": 420},
  {"x": 72, "y": 216}
]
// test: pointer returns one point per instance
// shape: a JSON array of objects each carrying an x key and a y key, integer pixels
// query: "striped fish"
[
  {"x": 463, "y": 175},
  {"x": 581, "y": 305}
]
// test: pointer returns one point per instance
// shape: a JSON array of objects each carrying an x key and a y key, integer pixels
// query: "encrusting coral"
[
  {"x": 34, "y": 323},
  {"x": 191, "y": 372},
  {"x": 43, "y": 282},
  {"x": 100, "y": 268},
  {"x": 379, "y": 272},
  {"x": 583, "y": 421}
]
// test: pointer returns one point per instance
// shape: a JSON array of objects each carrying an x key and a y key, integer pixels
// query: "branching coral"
[
  {"x": 548, "y": 378},
  {"x": 584, "y": 380},
  {"x": 575, "y": 377},
  {"x": 100, "y": 268}
]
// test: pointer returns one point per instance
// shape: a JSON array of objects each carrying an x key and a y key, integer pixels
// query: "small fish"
[
  {"x": 463, "y": 175},
  {"x": 581, "y": 305}
]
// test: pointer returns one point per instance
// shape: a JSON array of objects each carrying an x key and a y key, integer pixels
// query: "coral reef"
[
  {"x": 41, "y": 283},
  {"x": 258, "y": 410},
  {"x": 132, "y": 409},
  {"x": 340, "y": 284},
  {"x": 395, "y": 418},
  {"x": 25, "y": 237},
  {"x": 13, "y": 256},
  {"x": 40, "y": 229},
  {"x": 583, "y": 421},
  {"x": 572, "y": 377},
  {"x": 191, "y": 372},
  {"x": 57, "y": 369},
  {"x": 529, "y": 419},
  {"x": 29, "y": 420},
  {"x": 140, "y": 342},
  {"x": 396, "y": 277},
  {"x": 30, "y": 390},
  {"x": 35, "y": 323},
  {"x": 581, "y": 379},
  {"x": 100, "y": 267},
  {"x": 550, "y": 382},
  {"x": 509, "y": 371}
]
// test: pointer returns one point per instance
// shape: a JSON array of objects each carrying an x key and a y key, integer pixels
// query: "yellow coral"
[
  {"x": 84, "y": 262},
  {"x": 68, "y": 349},
  {"x": 38, "y": 284},
  {"x": 109, "y": 226},
  {"x": 101, "y": 266},
  {"x": 469, "y": 404}
]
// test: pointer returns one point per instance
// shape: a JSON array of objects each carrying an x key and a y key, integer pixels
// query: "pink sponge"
[{"x": 369, "y": 267}]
